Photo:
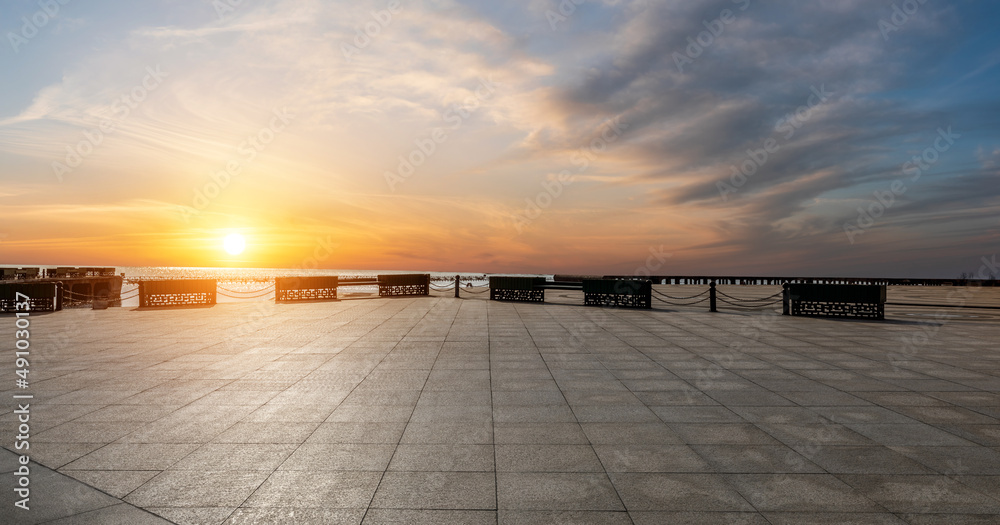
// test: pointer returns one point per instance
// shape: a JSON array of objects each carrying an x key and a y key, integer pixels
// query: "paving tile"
[
  {"x": 633, "y": 434},
  {"x": 316, "y": 489},
  {"x": 235, "y": 457},
  {"x": 532, "y": 517},
  {"x": 357, "y": 432},
  {"x": 556, "y": 491},
  {"x": 58, "y": 455},
  {"x": 267, "y": 432},
  {"x": 193, "y": 515},
  {"x": 540, "y": 433},
  {"x": 909, "y": 435},
  {"x": 833, "y": 518},
  {"x": 429, "y": 517},
  {"x": 923, "y": 494},
  {"x": 118, "y": 483},
  {"x": 452, "y": 414},
  {"x": 697, "y": 518},
  {"x": 120, "y": 514},
  {"x": 133, "y": 456},
  {"x": 814, "y": 435},
  {"x": 862, "y": 460},
  {"x": 722, "y": 434},
  {"x": 533, "y": 414},
  {"x": 650, "y": 458},
  {"x": 952, "y": 519},
  {"x": 436, "y": 490},
  {"x": 683, "y": 397},
  {"x": 547, "y": 458},
  {"x": 801, "y": 493},
  {"x": 455, "y": 398},
  {"x": 298, "y": 515},
  {"x": 696, "y": 414},
  {"x": 747, "y": 459},
  {"x": 677, "y": 492},
  {"x": 443, "y": 458},
  {"x": 467, "y": 433},
  {"x": 371, "y": 413},
  {"x": 186, "y": 488}
]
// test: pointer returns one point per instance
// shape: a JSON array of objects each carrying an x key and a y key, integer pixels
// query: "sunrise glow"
[{"x": 736, "y": 137}]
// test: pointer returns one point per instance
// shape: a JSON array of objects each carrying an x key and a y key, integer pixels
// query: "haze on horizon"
[{"x": 525, "y": 136}]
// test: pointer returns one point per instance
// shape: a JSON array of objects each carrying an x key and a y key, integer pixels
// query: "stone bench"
[
  {"x": 835, "y": 300},
  {"x": 178, "y": 292},
  {"x": 42, "y": 297},
  {"x": 523, "y": 289},
  {"x": 404, "y": 284},
  {"x": 625, "y": 293},
  {"x": 313, "y": 288}
]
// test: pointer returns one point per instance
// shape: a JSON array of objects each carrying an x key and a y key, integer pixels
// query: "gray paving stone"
[
  {"x": 801, "y": 493},
  {"x": 408, "y": 409},
  {"x": 193, "y": 515},
  {"x": 547, "y": 458},
  {"x": 697, "y": 518},
  {"x": 315, "y": 489},
  {"x": 556, "y": 491},
  {"x": 747, "y": 459},
  {"x": 532, "y": 517},
  {"x": 436, "y": 490},
  {"x": 120, "y": 514},
  {"x": 539, "y": 433},
  {"x": 677, "y": 492},
  {"x": 357, "y": 432},
  {"x": 297, "y": 515},
  {"x": 722, "y": 434},
  {"x": 830, "y": 518},
  {"x": 443, "y": 458},
  {"x": 634, "y": 434},
  {"x": 935, "y": 494},
  {"x": 118, "y": 483},
  {"x": 429, "y": 517},
  {"x": 187, "y": 488}
]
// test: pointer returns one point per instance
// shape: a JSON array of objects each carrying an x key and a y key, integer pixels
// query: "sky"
[{"x": 725, "y": 137}]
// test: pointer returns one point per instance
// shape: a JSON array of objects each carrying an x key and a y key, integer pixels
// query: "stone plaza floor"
[{"x": 444, "y": 410}]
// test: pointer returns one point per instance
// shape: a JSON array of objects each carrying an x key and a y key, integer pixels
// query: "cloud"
[{"x": 363, "y": 97}]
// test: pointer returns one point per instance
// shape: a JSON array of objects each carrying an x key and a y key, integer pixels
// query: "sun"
[{"x": 234, "y": 244}]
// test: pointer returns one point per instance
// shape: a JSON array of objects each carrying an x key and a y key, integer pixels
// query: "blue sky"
[{"x": 608, "y": 131}]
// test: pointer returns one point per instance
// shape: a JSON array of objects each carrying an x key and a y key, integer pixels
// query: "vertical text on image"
[{"x": 22, "y": 336}]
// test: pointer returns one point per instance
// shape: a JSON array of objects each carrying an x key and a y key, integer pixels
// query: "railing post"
[
  {"x": 711, "y": 298},
  {"x": 457, "y": 283},
  {"x": 786, "y": 308}
]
